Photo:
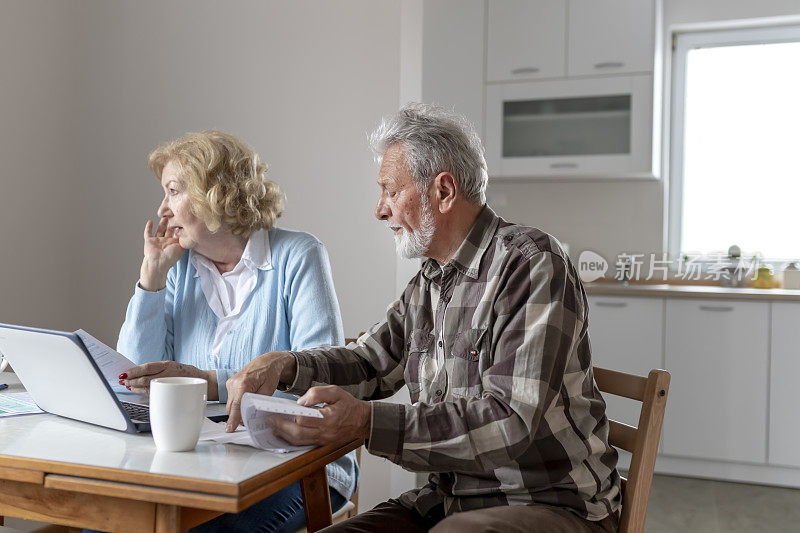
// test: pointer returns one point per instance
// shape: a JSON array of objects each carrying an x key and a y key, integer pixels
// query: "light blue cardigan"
[{"x": 292, "y": 307}]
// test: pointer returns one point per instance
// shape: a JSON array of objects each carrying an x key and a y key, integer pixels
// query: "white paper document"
[
  {"x": 111, "y": 362},
  {"x": 256, "y": 411},
  {"x": 18, "y": 403}
]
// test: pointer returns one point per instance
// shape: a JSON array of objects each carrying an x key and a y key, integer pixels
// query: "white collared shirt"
[{"x": 227, "y": 293}]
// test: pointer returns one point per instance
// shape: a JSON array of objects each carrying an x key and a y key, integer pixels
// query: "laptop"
[{"x": 63, "y": 379}]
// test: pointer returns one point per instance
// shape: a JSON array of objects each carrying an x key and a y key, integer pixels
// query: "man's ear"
[{"x": 446, "y": 189}]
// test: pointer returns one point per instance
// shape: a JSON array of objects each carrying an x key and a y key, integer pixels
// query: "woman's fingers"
[
  {"x": 162, "y": 227},
  {"x": 138, "y": 384},
  {"x": 147, "y": 369}
]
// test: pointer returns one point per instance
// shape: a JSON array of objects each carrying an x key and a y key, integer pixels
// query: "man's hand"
[
  {"x": 261, "y": 376},
  {"x": 137, "y": 379},
  {"x": 343, "y": 417}
]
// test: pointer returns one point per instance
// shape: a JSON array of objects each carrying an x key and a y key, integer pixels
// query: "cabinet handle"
[
  {"x": 611, "y": 304},
  {"x": 717, "y": 308},
  {"x": 610, "y": 64},
  {"x": 525, "y": 70},
  {"x": 563, "y": 165}
]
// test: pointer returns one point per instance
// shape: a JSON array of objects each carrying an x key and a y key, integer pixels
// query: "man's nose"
[
  {"x": 163, "y": 209},
  {"x": 382, "y": 211}
]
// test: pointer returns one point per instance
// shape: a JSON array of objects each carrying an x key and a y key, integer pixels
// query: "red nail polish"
[
  {"x": 128, "y": 388},
  {"x": 121, "y": 382},
  {"x": 123, "y": 375}
]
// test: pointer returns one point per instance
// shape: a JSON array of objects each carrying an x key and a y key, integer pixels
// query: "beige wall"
[
  {"x": 610, "y": 217},
  {"x": 91, "y": 87}
]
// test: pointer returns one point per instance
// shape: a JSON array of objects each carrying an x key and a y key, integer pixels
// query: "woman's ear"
[{"x": 446, "y": 189}]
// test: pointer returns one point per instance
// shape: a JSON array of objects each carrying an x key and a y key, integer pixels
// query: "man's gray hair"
[{"x": 435, "y": 141}]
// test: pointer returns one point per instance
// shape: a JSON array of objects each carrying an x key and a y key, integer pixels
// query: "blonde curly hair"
[{"x": 225, "y": 179}]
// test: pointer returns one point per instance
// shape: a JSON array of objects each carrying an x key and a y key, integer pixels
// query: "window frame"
[{"x": 682, "y": 43}]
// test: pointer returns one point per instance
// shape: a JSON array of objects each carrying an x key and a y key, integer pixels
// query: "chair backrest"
[
  {"x": 641, "y": 441},
  {"x": 354, "y": 498}
]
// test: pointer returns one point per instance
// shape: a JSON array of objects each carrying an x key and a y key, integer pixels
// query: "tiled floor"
[{"x": 688, "y": 505}]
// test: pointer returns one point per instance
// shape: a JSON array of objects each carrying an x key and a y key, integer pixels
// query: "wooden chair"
[{"x": 641, "y": 441}]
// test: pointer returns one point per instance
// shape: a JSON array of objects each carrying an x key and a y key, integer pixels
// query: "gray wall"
[
  {"x": 39, "y": 86},
  {"x": 89, "y": 88}
]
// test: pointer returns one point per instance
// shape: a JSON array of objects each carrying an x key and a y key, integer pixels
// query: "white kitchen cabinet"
[
  {"x": 452, "y": 57},
  {"x": 526, "y": 39},
  {"x": 610, "y": 37},
  {"x": 600, "y": 127},
  {"x": 784, "y": 415},
  {"x": 626, "y": 335},
  {"x": 717, "y": 351}
]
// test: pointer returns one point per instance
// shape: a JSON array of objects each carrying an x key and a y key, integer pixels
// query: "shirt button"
[
  {"x": 438, "y": 392},
  {"x": 440, "y": 344},
  {"x": 508, "y": 237}
]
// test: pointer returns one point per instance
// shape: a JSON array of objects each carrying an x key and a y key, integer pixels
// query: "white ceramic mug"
[{"x": 177, "y": 407}]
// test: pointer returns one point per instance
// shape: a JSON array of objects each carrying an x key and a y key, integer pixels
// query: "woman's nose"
[{"x": 163, "y": 209}]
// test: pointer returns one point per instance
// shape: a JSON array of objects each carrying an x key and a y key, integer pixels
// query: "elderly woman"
[{"x": 220, "y": 285}]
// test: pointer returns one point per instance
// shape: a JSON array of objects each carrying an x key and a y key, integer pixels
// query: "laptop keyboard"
[{"x": 138, "y": 413}]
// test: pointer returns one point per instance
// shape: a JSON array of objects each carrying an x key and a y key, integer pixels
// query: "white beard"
[{"x": 414, "y": 244}]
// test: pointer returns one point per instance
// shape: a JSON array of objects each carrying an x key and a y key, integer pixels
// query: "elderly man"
[{"x": 491, "y": 339}]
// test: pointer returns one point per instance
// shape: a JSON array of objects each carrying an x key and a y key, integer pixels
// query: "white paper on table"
[
  {"x": 256, "y": 410},
  {"x": 111, "y": 362},
  {"x": 215, "y": 431},
  {"x": 18, "y": 403}
]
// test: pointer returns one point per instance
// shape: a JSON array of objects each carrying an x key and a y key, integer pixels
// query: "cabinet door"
[
  {"x": 784, "y": 420},
  {"x": 716, "y": 351},
  {"x": 526, "y": 39},
  {"x": 610, "y": 37},
  {"x": 626, "y": 335},
  {"x": 452, "y": 52}
]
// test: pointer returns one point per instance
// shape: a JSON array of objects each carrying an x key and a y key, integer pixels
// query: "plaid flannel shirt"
[{"x": 494, "y": 349}]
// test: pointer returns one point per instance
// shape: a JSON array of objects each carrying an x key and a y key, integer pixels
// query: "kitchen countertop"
[{"x": 690, "y": 291}]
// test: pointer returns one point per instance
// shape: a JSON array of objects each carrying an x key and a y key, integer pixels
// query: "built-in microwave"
[{"x": 587, "y": 127}]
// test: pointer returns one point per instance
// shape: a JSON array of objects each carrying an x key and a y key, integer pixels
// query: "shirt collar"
[
  {"x": 257, "y": 255},
  {"x": 467, "y": 258}
]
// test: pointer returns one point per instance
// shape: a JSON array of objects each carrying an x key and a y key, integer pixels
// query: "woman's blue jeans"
[{"x": 280, "y": 513}]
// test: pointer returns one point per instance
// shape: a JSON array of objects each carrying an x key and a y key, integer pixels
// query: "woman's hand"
[
  {"x": 137, "y": 379},
  {"x": 161, "y": 252}
]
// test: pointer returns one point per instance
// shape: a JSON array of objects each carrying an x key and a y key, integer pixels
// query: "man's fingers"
[
  {"x": 324, "y": 394},
  {"x": 233, "y": 407},
  {"x": 148, "y": 230},
  {"x": 292, "y": 432},
  {"x": 309, "y": 422}
]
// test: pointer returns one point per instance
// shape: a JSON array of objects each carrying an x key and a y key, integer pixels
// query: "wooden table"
[{"x": 67, "y": 472}]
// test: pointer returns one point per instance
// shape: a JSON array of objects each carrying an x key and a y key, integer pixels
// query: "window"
[{"x": 735, "y": 143}]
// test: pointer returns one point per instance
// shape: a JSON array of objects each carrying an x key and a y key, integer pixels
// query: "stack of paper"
[
  {"x": 256, "y": 411},
  {"x": 18, "y": 403}
]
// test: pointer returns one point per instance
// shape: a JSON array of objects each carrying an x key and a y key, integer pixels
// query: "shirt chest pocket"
[
  {"x": 419, "y": 353},
  {"x": 469, "y": 356}
]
